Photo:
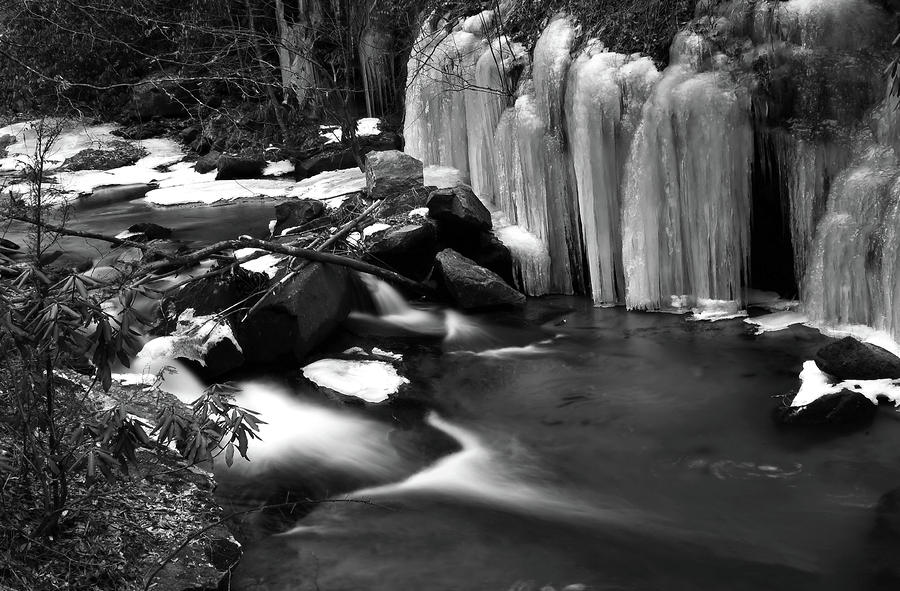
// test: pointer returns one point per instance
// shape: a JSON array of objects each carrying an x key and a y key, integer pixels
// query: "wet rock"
[
  {"x": 392, "y": 173},
  {"x": 8, "y": 246},
  {"x": 115, "y": 194},
  {"x": 324, "y": 162},
  {"x": 850, "y": 359},
  {"x": 458, "y": 210},
  {"x": 236, "y": 167},
  {"x": 409, "y": 250},
  {"x": 844, "y": 410},
  {"x": 483, "y": 248},
  {"x": 300, "y": 212},
  {"x": 67, "y": 261},
  {"x": 298, "y": 316},
  {"x": 142, "y": 131},
  {"x": 189, "y": 134},
  {"x": 160, "y": 97},
  {"x": 472, "y": 286},
  {"x": 115, "y": 155},
  {"x": 151, "y": 231},
  {"x": 208, "y": 162},
  {"x": 219, "y": 359}
]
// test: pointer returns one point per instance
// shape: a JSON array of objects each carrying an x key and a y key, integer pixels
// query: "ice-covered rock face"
[{"x": 652, "y": 173}]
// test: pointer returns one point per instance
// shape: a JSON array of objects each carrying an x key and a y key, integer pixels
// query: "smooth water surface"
[{"x": 633, "y": 451}]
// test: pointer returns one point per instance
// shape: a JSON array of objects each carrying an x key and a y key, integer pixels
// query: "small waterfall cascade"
[{"x": 649, "y": 184}]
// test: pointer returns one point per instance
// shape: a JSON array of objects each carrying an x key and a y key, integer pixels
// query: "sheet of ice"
[
  {"x": 815, "y": 383},
  {"x": 278, "y": 168},
  {"x": 777, "y": 321},
  {"x": 715, "y": 310},
  {"x": 386, "y": 354},
  {"x": 332, "y": 186},
  {"x": 267, "y": 264},
  {"x": 372, "y": 381},
  {"x": 215, "y": 191},
  {"x": 443, "y": 177}
]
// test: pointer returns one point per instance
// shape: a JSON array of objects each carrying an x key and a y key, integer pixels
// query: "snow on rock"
[
  {"x": 815, "y": 383},
  {"x": 371, "y": 381},
  {"x": 267, "y": 264},
  {"x": 374, "y": 229},
  {"x": 215, "y": 191},
  {"x": 715, "y": 310},
  {"x": 776, "y": 321},
  {"x": 386, "y": 354},
  {"x": 279, "y": 168},
  {"x": 420, "y": 213},
  {"x": 193, "y": 338}
]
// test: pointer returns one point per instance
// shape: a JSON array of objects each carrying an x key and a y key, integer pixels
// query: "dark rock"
[
  {"x": 235, "y": 167},
  {"x": 844, "y": 410},
  {"x": 151, "y": 231},
  {"x": 391, "y": 173},
  {"x": 298, "y": 316},
  {"x": 221, "y": 358},
  {"x": 142, "y": 131},
  {"x": 300, "y": 212},
  {"x": 409, "y": 250},
  {"x": 115, "y": 194},
  {"x": 160, "y": 98},
  {"x": 115, "y": 155},
  {"x": 324, "y": 162},
  {"x": 208, "y": 162},
  {"x": 483, "y": 247},
  {"x": 402, "y": 203},
  {"x": 189, "y": 134},
  {"x": 67, "y": 261},
  {"x": 6, "y": 141},
  {"x": 8, "y": 246},
  {"x": 472, "y": 286},
  {"x": 850, "y": 359},
  {"x": 458, "y": 209}
]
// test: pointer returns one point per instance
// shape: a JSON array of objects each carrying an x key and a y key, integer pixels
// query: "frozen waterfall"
[{"x": 641, "y": 186}]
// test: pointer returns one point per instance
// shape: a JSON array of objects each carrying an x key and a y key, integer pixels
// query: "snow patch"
[
  {"x": 365, "y": 126},
  {"x": 815, "y": 383},
  {"x": 215, "y": 191},
  {"x": 374, "y": 229},
  {"x": 267, "y": 264},
  {"x": 194, "y": 336},
  {"x": 715, "y": 310},
  {"x": 372, "y": 381}
]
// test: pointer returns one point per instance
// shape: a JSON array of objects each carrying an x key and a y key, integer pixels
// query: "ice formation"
[
  {"x": 371, "y": 381},
  {"x": 644, "y": 183}
]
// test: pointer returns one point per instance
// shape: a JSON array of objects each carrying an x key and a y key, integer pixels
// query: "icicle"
[
  {"x": 686, "y": 219},
  {"x": 441, "y": 68},
  {"x": 606, "y": 93},
  {"x": 493, "y": 89},
  {"x": 852, "y": 276}
]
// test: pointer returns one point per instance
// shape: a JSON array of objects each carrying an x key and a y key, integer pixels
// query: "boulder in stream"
[
  {"x": 237, "y": 167},
  {"x": 299, "y": 212},
  {"x": 409, "y": 250},
  {"x": 115, "y": 154},
  {"x": 391, "y": 174},
  {"x": 850, "y": 359},
  {"x": 151, "y": 231},
  {"x": 472, "y": 286},
  {"x": 207, "y": 162},
  {"x": 841, "y": 411},
  {"x": 458, "y": 210}
]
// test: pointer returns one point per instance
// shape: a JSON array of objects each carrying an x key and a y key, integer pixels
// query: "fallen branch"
[{"x": 236, "y": 244}]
